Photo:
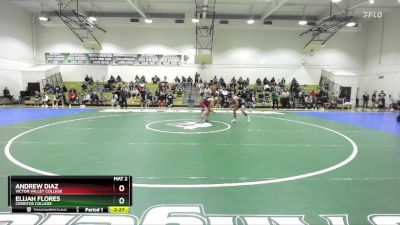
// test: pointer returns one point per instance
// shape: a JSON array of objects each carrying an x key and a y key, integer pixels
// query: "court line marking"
[
  {"x": 148, "y": 126},
  {"x": 236, "y": 184},
  {"x": 198, "y": 143},
  {"x": 22, "y": 165},
  {"x": 173, "y": 143},
  {"x": 280, "y": 180}
]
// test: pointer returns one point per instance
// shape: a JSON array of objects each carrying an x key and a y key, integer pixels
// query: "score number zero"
[{"x": 121, "y": 188}]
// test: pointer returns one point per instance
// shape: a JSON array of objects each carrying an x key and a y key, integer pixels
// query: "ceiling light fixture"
[
  {"x": 371, "y": 1},
  {"x": 251, "y": 21},
  {"x": 148, "y": 20},
  {"x": 42, "y": 17},
  {"x": 302, "y": 22},
  {"x": 351, "y": 24},
  {"x": 336, "y": 1},
  {"x": 92, "y": 19}
]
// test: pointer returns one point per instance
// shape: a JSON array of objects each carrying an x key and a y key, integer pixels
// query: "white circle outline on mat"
[
  {"x": 237, "y": 184},
  {"x": 148, "y": 126}
]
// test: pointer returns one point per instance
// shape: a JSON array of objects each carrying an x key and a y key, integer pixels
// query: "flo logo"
[
  {"x": 190, "y": 125},
  {"x": 371, "y": 15}
]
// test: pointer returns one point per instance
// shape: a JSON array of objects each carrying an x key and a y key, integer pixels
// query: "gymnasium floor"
[{"x": 287, "y": 163}]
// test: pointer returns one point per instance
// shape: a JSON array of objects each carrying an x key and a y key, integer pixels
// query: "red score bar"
[
  {"x": 81, "y": 189},
  {"x": 70, "y": 185},
  {"x": 87, "y": 189}
]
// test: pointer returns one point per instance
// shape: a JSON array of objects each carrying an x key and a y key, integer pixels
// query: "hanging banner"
[{"x": 112, "y": 59}]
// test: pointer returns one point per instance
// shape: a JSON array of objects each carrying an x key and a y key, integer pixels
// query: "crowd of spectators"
[{"x": 274, "y": 92}]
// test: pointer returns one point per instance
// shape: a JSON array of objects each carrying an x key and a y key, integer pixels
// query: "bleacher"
[
  {"x": 190, "y": 97},
  {"x": 178, "y": 100}
]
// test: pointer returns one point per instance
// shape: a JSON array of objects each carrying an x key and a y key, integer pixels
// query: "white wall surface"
[
  {"x": 16, "y": 49},
  {"x": 382, "y": 56},
  {"x": 238, "y": 52}
]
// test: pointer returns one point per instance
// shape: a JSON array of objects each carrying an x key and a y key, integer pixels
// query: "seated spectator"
[
  {"x": 283, "y": 82},
  {"x": 85, "y": 98},
  {"x": 170, "y": 99},
  {"x": 252, "y": 99},
  {"x": 215, "y": 80},
  {"x": 72, "y": 97},
  {"x": 49, "y": 88},
  {"x": 154, "y": 79},
  {"x": 149, "y": 98},
  {"x": 247, "y": 81},
  {"x": 207, "y": 92},
  {"x": 87, "y": 79},
  {"x": 57, "y": 89},
  {"x": 165, "y": 81},
  {"x": 6, "y": 93},
  {"x": 37, "y": 99},
  {"x": 111, "y": 81},
  {"x": 119, "y": 79},
  {"x": 240, "y": 81},
  {"x": 161, "y": 97},
  {"x": 190, "y": 80},
  {"x": 123, "y": 95},
  {"x": 64, "y": 88},
  {"x": 263, "y": 98},
  {"x": 179, "y": 93},
  {"x": 177, "y": 80},
  {"x": 285, "y": 99},
  {"x": 233, "y": 83},
  {"x": 131, "y": 86},
  {"x": 84, "y": 87},
  {"x": 137, "y": 80},
  {"x": 114, "y": 100},
  {"x": 143, "y": 80},
  {"x": 45, "y": 100},
  {"x": 273, "y": 81},
  {"x": 381, "y": 100},
  {"x": 94, "y": 98},
  {"x": 57, "y": 99},
  {"x": 308, "y": 101},
  {"x": 173, "y": 88},
  {"x": 331, "y": 104},
  {"x": 265, "y": 81},
  {"x": 102, "y": 98},
  {"x": 183, "y": 79},
  {"x": 267, "y": 87}
]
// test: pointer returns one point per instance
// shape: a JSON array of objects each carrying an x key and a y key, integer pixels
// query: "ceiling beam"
[
  {"x": 136, "y": 7},
  {"x": 278, "y": 4},
  {"x": 326, "y": 15}
]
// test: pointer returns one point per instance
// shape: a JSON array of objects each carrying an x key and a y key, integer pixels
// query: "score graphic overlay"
[{"x": 74, "y": 194}]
